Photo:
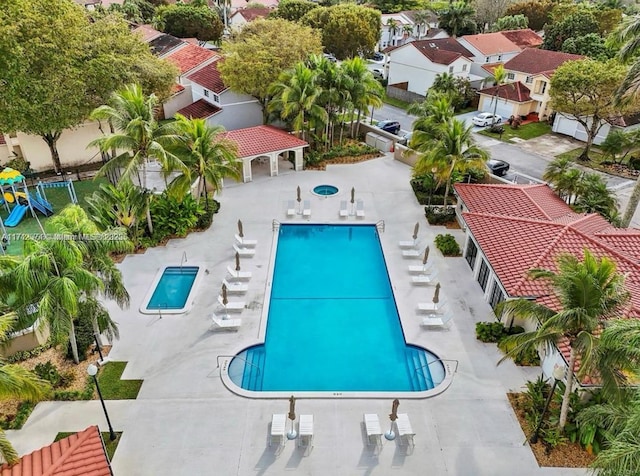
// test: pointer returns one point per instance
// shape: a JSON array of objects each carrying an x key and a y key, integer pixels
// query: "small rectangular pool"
[{"x": 171, "y": 290}]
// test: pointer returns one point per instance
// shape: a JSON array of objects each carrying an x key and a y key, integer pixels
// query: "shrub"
[
  {"x": 27, "y": 354},
  {"x": 19, "y": 164},
  {"x": 84, "y": 336},
  {"x": 205, "y": 220},
  {"x": 47, "y": 371},
  {"x": 439, "y": 215},
  {"x": 490, "y": 331},
  {"x": 525, "y": 358},
  {"x": 172, "y": 216},
  {"x": 15, "y": 423},
  {"x": 448, "y": 245}
]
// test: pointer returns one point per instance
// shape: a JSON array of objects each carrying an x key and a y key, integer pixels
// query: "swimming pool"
[
  {"x": 333, "y": 325},
  {"x": 171, "y": 290}
]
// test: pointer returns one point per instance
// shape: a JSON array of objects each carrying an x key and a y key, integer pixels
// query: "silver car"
[{"x": 486, "y": 119}]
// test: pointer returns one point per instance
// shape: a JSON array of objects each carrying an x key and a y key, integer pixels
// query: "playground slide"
[
  {"x": 42, "y": 206},
  {"x": 16, "y": 215}
]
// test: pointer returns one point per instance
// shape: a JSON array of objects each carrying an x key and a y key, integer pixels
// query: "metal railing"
[
  {"x": 380, "y": 225},
  {"x": 275, "y": 225},
  {"x": 183, "y": 259},
  {"x": 443, "y": 361},
  {"x": 235, "y": 357}
]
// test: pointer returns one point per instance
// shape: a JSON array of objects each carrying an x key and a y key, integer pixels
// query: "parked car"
[
  {"x": 330, "y": 57},
  {"x": 486, "y": 119},
  {"x": 378, "y": 73},
  {"x": 389, "y": 126},
  {"x": 377, "y": 56},
  {"x": 497, "y": 167},
  {"x": 405, "y": 138}
]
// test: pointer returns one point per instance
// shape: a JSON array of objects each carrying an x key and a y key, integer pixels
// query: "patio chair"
[
  {"x": 360, "y": 209},
  {"x": 235, "y": 287},
  {"x": 239, "y": 275},
  {"x": 305, "y": 431},
  {"x": 374, "y": 431},
  {"x": 278, "y": 429},
  {"x": 437, "y": 320},
  {"x": 412, "y": 254},
  {"x": 306, "y": 209},
  {"x": 244, "y": 252},
  {"x": 291, "y": 209},
  {"x": 421, "y": 269},
  {"x": 408, "y": 244},
  {"x": 225, "y": 324},
  {"x": 232, "y": 305},
  {"x": 425, "y": 279},
  {"x": 344, "y": 211},
  {"x": 431, "y": 307},
  {"x": 242, "y": 241},
  {"x": 405, "y": 432}
]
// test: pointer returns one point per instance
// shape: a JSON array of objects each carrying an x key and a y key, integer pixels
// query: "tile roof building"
[
  {"x": 80, "y": 454},
  {"x": 200, "y": 109},
  {"x": 189, "y": 57},
  {"x": 536, "y": 61},
  {"x": 525, "y": 38}
]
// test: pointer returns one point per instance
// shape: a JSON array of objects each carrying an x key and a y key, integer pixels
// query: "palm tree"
[
  {"x": 421, "y": 18},
  {"x": 453, "y": 150},
  {"x": 295, "y": 96},
  {"x": 457, "y": 18},
  {"x": 627, "y": 36},
  {"x": 139, "y": 135},
  {"x": 16, "y": 382},
  {"x": 555, "y": 174},
  {"x": 499, "y": 78},
  {"x": 433, "y": 113},
  {"x": 207, "y": 155},
  {"x": 393, "y": 26},
  {"x": 362, "y": 88},
  {"x": 588, "y": 292},
  {"x": 407, "y": 32}
]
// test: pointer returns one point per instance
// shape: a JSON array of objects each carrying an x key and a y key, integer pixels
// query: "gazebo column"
[
  {"x": 273, "y": 164},
  {"x": 299, "y": 162},
  {"x": 246, "y": 169}
]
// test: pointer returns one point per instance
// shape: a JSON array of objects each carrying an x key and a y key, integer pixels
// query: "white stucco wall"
[
  {"x": 571, "y": 127},
  {"x": 177, "y": 102}
]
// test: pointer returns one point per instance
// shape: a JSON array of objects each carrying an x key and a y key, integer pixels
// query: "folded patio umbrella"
[
  {"x": 353, "y": 194},
  {"x": 426, "y": 256},
  {"x": 240, "y": 230},
  {"x": 436, "y": 294},
  {"x": 237, "y": 261},
  {"x": 415, "y": 230},
  {"x": 298, "y": 197}
]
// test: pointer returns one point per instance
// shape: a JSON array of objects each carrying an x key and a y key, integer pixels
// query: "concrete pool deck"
[{"x": 185, "y": 422}]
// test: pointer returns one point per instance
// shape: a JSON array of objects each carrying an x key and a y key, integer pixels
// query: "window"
[
  {"x": 486, "y": 60},
  {"x": 529, "y": 80},
  {"x": 497, "y": 296},
  {"x": 450, "y": 69},
  {"x": 511, "y": 76},
  {"x": 543, "y": 87},
  {"x": 206, "y": 93},
  {"x": 472, "y": 252},
  {"x": 483, "y": 275},
  {"x": 216, "y": 98},
  {"x": 499, "y": 57},
  {"x": 464, "y": 67}
]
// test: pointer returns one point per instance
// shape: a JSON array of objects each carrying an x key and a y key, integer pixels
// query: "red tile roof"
[
  {"x": 490, "y": 67},
  {"x": 177, "y": 88},
  {"x": 250, "y": 14},
  {"x": 200, "y": 109},
  {"x": 491, "y": 43},
  {"x": 526, "y": 38},
  {"x": 209, "y": 77},
  {"x": 81, "y": 454},
  {"x": 2, "y": 139},
  {"x": 516, "y": 92},
  {"x": 441, "y": 51},
  {"x": 189, "y": 56},
  {"x": 147, "y": 32},
  {"x": 536, "y": 61},
  {"x": 254, "y": 141}
]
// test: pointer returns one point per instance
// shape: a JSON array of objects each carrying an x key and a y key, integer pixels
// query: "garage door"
[{"x": 504, "y": 109}]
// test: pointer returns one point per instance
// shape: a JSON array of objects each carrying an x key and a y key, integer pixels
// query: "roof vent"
[{"x": 432, "y": 45}]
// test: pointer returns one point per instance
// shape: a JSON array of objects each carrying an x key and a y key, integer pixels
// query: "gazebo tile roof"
[{"x": 254, "y": 141}]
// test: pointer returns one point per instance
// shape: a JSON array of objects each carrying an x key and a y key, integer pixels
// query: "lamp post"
[
  {"x": 93, "y": 370},
  {"x": 558, "y": 373}
]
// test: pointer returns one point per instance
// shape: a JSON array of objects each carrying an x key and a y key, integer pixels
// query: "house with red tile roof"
[
  {"x": 414, "y": 66},
  {"x": 406, "y": 19},
  {"x": 511, "y": 229},
  {"x": 80, "y": 454},
  {"x": 488, "y": 48},
  {"x": 525, "y": 38},
  {"x": 241, "y": 17},
  {"x": 267, "y": 145},
  {"x": 528, "y": 84}
]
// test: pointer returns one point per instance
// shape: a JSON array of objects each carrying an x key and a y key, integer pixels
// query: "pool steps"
[{"x": 419, "y": 372}]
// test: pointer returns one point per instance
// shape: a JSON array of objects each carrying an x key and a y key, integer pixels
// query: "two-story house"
[
  {"x": 402, "y": 27},
  {"x": 414, "y": 66},
  {"x": 488, "y": 49},
  {"x": 527, "y": 88},
  {"x": 240, "y": 18}
]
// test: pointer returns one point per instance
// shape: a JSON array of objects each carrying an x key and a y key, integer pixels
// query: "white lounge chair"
[
  {"x": 244, "y": 252},
  {"x": 232, "y": 305},
  {"x": 360, "y": 209},
  {"x": 291, "y": 209},
  {"x": 235, "y": 287},
  {"x": 306, "y": 208},
  {"x": 431, "y": 307},
  {"x": 305, "y": 431},
  {"x": 226, "y": 324},
  {"x": 344, "y": 211},
  {"x": 421, "y": 269},
  {"x": 278, "y": 429},
  {"x": 374, "y": 432},
  {"x": 239, "y": 275},
  {"x": 425, "y": 279},
  {"x": 405, "y": 432},
  {"x": 437, "y": 320},
  {"x": 408, "y": 244},
  {"x": 242, "y": 241},
  {"x": 412, "y": 254}
]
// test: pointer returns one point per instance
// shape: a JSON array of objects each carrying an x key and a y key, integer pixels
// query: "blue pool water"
[
  {"x": 333, "y": 323},
  {"x": 325, "y": 190},
  {"x": 173, "y": 288}
]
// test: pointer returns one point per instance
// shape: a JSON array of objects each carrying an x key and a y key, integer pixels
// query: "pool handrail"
[
  {"x": 183, "y": 259},
  {"x": 380, "y": 225},
  {"x": 235, "y": 357},
  {"x": 275, "y": 225},
  {"x": 442, "y": 361}
]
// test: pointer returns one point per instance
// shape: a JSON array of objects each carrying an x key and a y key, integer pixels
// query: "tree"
[
  {"x": 499, "y": 78},
  {"x": 294, "y": 10},
  {"x": 394, "y": 6},
  {"x": 187, "y": 21},
  {"x": 206, "y": 155},
  {"x": 618, "y": 144},
  {"x": 433, "y": 113},
  {"x": 580, "y": 23},
  {"x": 588, "y": 291},
  {"x": 362, "y": 89},
  {"x": 591, "y": 45},
  {"x": 135, "y": 11},
  {"x": 537, "y": 12},
  {"x": 585, "y": 91},
  {"x": 593, "y": 196},
  {"x": 511, "y": 22},
  {"x": 261, "y": 51},
  {"x": 456, "y": 88},
  {"x": 16, "y": 382},
  {"x": 347, "y": 30},
  {"x": 555, "y": 174},
  {"x": 488, "y": 11},
  {"x": 421, "y": 19},
  {"x": 55, "y": 64},
  {"x": 457, "y": 19},
  {"x": 452, "y": 151}
]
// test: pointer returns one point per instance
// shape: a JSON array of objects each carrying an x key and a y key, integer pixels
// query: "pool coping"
[
  {"x": 190, "y": 297},
  {"x": 225, "y": 361}
]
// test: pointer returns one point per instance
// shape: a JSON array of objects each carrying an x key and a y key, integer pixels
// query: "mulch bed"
[
  {"x": 565, "y": 455},
  {"x": 342, "y": 160}
]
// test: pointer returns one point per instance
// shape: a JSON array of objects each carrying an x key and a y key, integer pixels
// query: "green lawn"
[
  {"x": 59, "y": 198},
  {"x": 595, "y": 155},
  {"x": 112, "y": 387},
  {"x": 110, "y": 446},
  {"x": 526, "y": 132},
  {"x": 395, "y": 102}
]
